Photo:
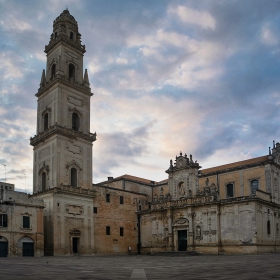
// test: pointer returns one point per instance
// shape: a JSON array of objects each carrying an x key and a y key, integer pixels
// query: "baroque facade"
[{"x": 233, "y": 208}]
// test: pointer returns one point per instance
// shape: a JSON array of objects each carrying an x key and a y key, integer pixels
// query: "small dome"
[{"x": 64, "y": 16}]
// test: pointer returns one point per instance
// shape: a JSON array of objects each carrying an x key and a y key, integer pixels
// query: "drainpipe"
[{"x": 139, "y": 235}]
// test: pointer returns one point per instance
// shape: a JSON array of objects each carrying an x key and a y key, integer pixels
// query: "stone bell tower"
[
  {"x": 62, "y": 171},
  {"x": 63, "y": 144}
]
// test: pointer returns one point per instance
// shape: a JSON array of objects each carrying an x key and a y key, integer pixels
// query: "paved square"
[{"x": 143, "y": 267}]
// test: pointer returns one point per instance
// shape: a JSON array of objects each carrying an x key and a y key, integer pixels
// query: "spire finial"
[
  {"x": 269, "y": 151},
  {"x": 273, "y": 144},
  {"x": 86, "y": 77}
]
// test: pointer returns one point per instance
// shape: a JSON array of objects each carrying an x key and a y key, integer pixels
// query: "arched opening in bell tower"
[
  {"x": 71, "y": 35},
  {"x": 44, "y": 181},
  {"x": 46, "y": 121},
  {"x": 53, "y": 71},
  {"x": 74, "y": 177},
  {"x": 75, "y": 122},
  {"x": 71, "y": 71}
]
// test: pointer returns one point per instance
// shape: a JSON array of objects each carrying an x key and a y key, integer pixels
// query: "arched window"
[
  {"x": 55, "y": 34},
  {"x": 53, "y": 71},
  {"x": 71, "y": 35},
  {"x": 44, "y": 181},
  {"x": 74, "y": 177},
  {"x": 254, "y": 186},
  {"x": 229, "y": 190},
  {"x": 46, "y": 121},
  {"x": 268, "y": 227},
  {"x": 75, "y": 121},
  {"x": 71, "y": 71}
]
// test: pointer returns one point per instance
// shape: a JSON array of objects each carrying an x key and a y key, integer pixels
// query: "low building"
[{"x": 21, "y": 223}]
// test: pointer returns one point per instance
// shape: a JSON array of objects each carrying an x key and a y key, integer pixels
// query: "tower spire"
[
  {"x": 43, "y": 78},
  {"x": 86, "y": 81}
]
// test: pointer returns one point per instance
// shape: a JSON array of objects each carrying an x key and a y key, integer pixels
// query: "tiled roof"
[{"x": 235, "y": 164}]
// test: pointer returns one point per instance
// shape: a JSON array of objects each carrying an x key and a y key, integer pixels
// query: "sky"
[{"x": 201, "y": 77}]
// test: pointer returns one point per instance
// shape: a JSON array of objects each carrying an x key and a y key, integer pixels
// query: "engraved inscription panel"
[
  {"x": 74, "y": 209},
  {"x": 75, "y": 101}
]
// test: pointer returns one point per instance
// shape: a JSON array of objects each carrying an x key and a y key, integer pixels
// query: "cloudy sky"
[{"x": 201, "y": 77}]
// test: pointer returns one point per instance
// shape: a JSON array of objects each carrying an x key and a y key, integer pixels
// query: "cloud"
[
  {"x": 187, "y": 15},
  {"x": 268, "y": 37},
  {"x": 200, "y": 77}
]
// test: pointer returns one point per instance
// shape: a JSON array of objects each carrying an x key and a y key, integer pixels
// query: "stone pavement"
[{"x": 142, "y": 267}]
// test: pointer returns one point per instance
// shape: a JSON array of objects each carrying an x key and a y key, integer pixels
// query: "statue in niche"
[
  {"x": 182, "y": 191},
  {"x": 161, "y": 191},
  {"x": 198, "y": 231}
]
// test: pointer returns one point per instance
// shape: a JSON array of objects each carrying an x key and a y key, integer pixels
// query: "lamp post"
[{"x": 5, "y": 172}]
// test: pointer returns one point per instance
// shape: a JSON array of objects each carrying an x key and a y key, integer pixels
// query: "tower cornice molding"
[
  {"x": 59, "y": 130},
  {"x": 68, "y": 43},
  {"x": 66, "y": 82}
]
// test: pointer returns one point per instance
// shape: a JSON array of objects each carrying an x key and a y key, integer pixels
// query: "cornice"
[
  {"x": 61, "y": 79},
  {"x": 60, "y": 130}
]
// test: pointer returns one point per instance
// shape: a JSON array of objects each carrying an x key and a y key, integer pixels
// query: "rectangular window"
[
  {"x": 3, "y": 220},
  {"x": 95, "y": 210},
  {"x": 26, "y": 222},
  {"x": 229, "y": 190},
  {"x": 121, "y": 199},
  {"x": 107, "y": 230},
  {"x": 121, "y": 231},
  {"x": 107, "y": 197}
]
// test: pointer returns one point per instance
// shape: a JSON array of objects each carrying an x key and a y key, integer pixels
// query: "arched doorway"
[
  {"x": 26, "y": 245},
  {"x": 3, "y": 247}
]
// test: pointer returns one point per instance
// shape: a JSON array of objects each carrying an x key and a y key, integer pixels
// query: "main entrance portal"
[{"x": 182, "y": 240}]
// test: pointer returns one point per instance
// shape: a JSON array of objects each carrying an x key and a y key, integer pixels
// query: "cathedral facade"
[{"x": 233, "y": 208}]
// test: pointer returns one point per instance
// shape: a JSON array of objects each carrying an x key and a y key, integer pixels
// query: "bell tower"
[{"x": 63, "y": 142}]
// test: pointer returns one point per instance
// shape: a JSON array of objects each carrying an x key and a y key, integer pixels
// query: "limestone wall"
[{"x": 115, "y": 215}]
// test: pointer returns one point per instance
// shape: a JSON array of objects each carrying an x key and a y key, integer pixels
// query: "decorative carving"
[
  {"x": 181, "y": 221},
  {"x": 74, "y": 209},
  {"x": 208, "y": 191},
  {"x": 44, "y": 167},
  {"x": 75, "y": 149},
  {"x": 198, "y": 233},
  {"x": 75, "y": 101},
  {"x": 74, "y": 222},
  {"x": 45, "y": 152}
]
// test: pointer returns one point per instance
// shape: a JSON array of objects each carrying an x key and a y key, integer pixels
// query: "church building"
[{"x": 232, "y": 208}]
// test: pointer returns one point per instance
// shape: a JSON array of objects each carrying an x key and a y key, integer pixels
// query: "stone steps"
[{"x": 176, "y": 253}]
